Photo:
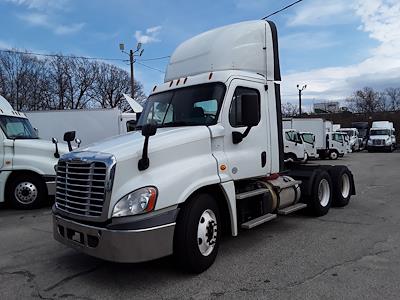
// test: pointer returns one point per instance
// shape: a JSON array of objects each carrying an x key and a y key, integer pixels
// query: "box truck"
[
  {"x": 207, "y": 158},
  {"x": 382, "y": 137},
  {"x": 27, "y": 174},
  {"x": 328, "y": 144},
  {"x": 91, "y": 125},
  {"x": 293, "y": 146},
  {"x": 354, "y": 140},
  {"x": 308, "y": 139}
]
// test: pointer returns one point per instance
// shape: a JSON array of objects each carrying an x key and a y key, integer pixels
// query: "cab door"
[
  {"x": 2, "y": 137},
  {"x": 251, "y": 156}
]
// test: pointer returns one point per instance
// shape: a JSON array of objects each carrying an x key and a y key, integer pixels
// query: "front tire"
[
  {"x": 26, "y": 192},
  {"x": 197, "y": 234},
  {"x": 333, "y": 155}
]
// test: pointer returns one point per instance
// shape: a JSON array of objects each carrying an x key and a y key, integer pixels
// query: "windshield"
[
  {"x": 293, "y": 136},
  {"x": 380, "y": 132},
  {"x": 191, "y": 106},
  {"x": 337, "y": 137},
  {"x": 17, "y": 128},
  {"x": 348, "y": 132},
  {"x": 308, "y": 138}
]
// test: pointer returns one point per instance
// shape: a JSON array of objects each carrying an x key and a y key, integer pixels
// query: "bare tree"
[
  {"x": 393, "y": 95},
  {"x": 366, "y": 100},
  {"x": 290, "y": 110}
]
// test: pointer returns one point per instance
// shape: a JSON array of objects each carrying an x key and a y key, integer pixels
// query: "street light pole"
[
  {"x": 300, "y": 91},
  {"x": 132, "y": 54}
]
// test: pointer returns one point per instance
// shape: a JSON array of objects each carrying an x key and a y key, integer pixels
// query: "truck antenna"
[{"x": 282, "y": 9}]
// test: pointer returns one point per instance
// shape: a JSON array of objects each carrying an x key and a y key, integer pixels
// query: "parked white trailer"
[
  {"x": 382, "y": 136},
  {"x": 212, "y": 164},
  {"x": 91, "y": 125},
  {"x": 27, "y": 174}
]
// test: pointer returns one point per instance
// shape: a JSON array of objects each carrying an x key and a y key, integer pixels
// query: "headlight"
[
  {"x": 388, "y": 141},
  {"x": 137, "y": 202}
]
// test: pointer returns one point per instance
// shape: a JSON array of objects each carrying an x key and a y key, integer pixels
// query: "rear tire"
[
  {"x": 341, "y": 184},
  {"x": 320, "y": 200},
  {"x": 26, "y": 191},
  {"x": 197, "y": 234}
]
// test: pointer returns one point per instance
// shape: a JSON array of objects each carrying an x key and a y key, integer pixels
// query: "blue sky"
[{"x": 332, "y": 46}]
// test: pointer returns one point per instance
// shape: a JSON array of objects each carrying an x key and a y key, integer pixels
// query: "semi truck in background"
[
  {"x": 213, "y": 163},
  {"x": 27, "y": 174},
  {"x": 91, "y": 125},
  {"x": 328, "y": 144},
  {"x": 382, "y": 137}
]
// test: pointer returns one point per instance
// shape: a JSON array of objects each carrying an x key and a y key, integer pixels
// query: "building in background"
[{"x": 326, "y": 107}]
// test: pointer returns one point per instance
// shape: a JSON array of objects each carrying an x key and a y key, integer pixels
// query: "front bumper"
[
  {"x": 127, "y": 246},
  {"x": 378, "y": 147}
]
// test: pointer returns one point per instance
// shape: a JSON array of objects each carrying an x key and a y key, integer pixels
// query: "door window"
[{"x": 235, "y": 111}]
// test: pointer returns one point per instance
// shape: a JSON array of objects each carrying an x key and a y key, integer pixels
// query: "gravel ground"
[{"x": 351, "y": 253}]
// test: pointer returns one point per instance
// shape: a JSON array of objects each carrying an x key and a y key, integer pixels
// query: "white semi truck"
[
  {"x": 91, "y": 125},
  {"x": 382, "y": 137},
  {"x": 212, "y": 163},
  {"x": 355, "y": 142},
  {"x": 328, "y": 144},
  {"x": 27, "y": 174}
]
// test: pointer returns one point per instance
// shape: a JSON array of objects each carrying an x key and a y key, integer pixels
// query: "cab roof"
[{"x": 7, "y": 110}]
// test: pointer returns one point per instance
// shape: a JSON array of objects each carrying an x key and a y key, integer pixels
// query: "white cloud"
[
  {"x": 43, "y": 20},
  {"x": 322, "y": 12},
  {"x": 382, "y": 69},
  {"x": 150, "y": 35},
  {"x": 41, "y": 4},
  {"x": 307, "y": 41}
]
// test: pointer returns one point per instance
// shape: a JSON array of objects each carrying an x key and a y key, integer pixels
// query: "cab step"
[
  {"x": 258, "y": 221},
  {"x": 291, "y": 209},
  {"x": 252, "y": 193}
]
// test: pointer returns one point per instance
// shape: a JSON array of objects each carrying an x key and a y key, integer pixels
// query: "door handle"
[{"x": 263, "y": 159}]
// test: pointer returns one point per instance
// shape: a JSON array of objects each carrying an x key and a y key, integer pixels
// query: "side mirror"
[
  {"x": 78, "y": 142},
  {"x": 36, "y": 130},
  {"x": 148, "y": 130},
  {"x": 69, "y": 136},
  {"x": 250, "y": 108},
  {"x": 55, "y": 142}
]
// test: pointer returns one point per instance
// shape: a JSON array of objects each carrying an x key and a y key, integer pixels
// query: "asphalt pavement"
[{"x": 351, "y": 253}]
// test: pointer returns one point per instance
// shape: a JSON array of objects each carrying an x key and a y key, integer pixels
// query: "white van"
[{"x": 27, "y": 174}]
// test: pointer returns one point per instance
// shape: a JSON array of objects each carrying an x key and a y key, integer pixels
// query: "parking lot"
[{"x": 351, "y": 253}]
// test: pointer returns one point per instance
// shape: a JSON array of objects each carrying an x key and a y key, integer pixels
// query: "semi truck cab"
[
  {"x": 27, "y": 174},
  {"x": 207, "y": 158}
]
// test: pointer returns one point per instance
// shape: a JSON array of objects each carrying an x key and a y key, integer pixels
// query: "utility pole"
[
  {"x": 132, "y": 54},
  {"x": 300, "y": 91}
]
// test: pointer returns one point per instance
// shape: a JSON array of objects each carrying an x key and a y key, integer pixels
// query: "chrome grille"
[
  {"x": 81, "y": 187},
  {"x": 378, "y": 142}
]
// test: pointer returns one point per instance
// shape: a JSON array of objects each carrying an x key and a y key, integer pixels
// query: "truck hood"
[
  {"x": 131, "y": 145},
  {"x": 36, "y": 146}
]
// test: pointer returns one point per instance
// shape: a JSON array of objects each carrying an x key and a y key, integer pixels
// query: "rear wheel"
[
  {"x": 341, "y": 184},
  {"x": 197, "y": 234},
  {"x": 321, "y": 198},
  {"x": 26, "y": 191}
]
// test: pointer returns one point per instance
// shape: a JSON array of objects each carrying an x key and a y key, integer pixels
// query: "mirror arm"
[
  {"x": 237, "y": 136},
  {"x": 144, "y": 162},
  {"x": 56, "y": 154}
]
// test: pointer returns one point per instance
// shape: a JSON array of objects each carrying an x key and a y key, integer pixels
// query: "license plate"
[{"x": 75, "y": 236}]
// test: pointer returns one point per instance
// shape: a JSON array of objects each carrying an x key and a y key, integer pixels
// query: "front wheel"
[
  {"x": 333, "y": 155},
  {"x": 197, "y": 234},
  {"x": 26, "y": 192}
]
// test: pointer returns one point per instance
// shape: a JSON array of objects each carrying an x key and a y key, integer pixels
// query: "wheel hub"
[
  {"x": 207, "y": 232},
  {"x": 26, "y": 192},
  {"x": 324, "y": 192}
]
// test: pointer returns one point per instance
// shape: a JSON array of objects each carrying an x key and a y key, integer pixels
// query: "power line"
[
  {"x": 282, "y": 9},
  {"x": 156, "y": 58},
  {"x": 155, "y": 69},
  {"x": 76, "y": 57}
]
